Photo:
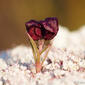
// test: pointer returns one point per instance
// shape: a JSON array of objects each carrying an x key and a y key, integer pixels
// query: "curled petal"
[
  {"x": 51, "y": 27},
  {"x": 53, "y": 22},
  {"x": 32, "y": 22},
  {"x": 34, "y": 32},
  {"x": 34, "y": 29}
]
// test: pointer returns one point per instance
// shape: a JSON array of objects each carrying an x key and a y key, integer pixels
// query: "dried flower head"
[{"x": 46, "y": 29}]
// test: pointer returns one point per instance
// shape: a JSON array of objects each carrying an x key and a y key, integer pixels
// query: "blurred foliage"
[{"x": 14, "y": 13}]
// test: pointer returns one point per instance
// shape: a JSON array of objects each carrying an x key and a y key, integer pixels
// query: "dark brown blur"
[{"x": 14, "y": 14}]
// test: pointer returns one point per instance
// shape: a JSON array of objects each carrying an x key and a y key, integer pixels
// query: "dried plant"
[{"x": 40, "y": 34}]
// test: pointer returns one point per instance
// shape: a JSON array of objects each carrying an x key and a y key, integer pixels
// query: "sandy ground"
[{"x": 65, "y": 64}]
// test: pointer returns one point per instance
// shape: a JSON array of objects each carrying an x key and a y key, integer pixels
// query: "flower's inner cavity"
[{"x": 38, "y": 32}]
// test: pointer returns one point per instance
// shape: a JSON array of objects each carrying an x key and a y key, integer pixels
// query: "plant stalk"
[{"x": 38, "y": 67}]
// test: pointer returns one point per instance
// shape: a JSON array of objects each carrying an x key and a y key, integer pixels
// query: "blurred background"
[{"x": 14, "y": 14}]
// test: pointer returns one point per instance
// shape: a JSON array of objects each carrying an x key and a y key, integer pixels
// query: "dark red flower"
[
  {"x": 46, "y": 29},
  {"x": 51, "y": 28},
  {"x": 34, "y": 29}
]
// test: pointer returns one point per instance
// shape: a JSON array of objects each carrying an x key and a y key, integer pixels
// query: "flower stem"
[
  {"x": 44, "y": 50},
  {"x": 46, "y": 54},
  {"x": 38, "y": 67},
  {"x": 40, "y": 44},
  {"x": 38, "y": 63}
]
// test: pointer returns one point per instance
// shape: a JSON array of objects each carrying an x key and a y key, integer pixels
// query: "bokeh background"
[{"x": 14, "y": 13}]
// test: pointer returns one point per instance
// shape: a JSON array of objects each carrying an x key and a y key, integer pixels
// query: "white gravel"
[{"x": 65, "y": 64}]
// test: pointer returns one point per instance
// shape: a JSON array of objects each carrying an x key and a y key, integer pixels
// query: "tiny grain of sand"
[{"x": 65, "y": 64}]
